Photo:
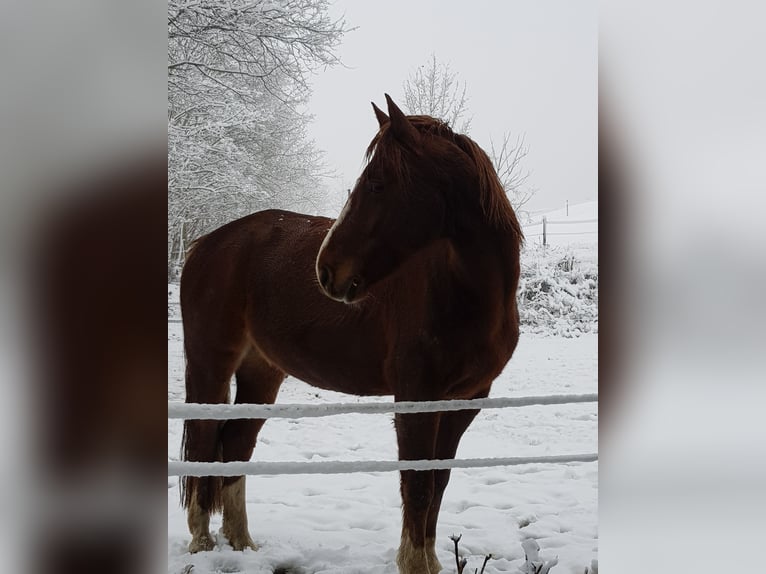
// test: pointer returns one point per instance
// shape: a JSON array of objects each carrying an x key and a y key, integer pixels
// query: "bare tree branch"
[
  {"x": 434, "y": 90},
  {"x": 507, "y": 159}
]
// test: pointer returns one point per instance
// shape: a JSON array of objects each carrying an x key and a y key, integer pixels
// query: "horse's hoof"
[
  {"x": 405, "y": 566},
  {"x": 201, "y": 544},
  {"x": 241, "y": 544},
  {"x": 240, "y": 541},
  {"x": 434, "y": 566}
]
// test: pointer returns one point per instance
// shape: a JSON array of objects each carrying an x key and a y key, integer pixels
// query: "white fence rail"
[
  {"x": 293, "y": 411},
  {"x": 296, "y": 411}
]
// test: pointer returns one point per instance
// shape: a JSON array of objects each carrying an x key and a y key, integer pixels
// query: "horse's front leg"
[
  {"x": 452, "y": 425},
  {"x": 416, "y": 435}
]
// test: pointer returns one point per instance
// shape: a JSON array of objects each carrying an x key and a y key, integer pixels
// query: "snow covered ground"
[{"x": 350, "y": 523}]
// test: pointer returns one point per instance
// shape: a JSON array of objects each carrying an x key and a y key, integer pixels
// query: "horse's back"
[
  {"x": 253, "y": 282},
  {"x": 221, "y": 257},
  {"x": 216, "y": 281}
]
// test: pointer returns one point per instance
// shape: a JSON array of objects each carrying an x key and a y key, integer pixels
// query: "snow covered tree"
[{"x": 237, "y": 94}]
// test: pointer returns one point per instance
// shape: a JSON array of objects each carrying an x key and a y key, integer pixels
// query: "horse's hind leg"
[
  {"x": 207, "y": 381},
  {"x": 257, "y": 382}
]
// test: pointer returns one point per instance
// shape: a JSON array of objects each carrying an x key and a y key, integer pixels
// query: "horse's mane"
[{"x": 494, "y": 202}]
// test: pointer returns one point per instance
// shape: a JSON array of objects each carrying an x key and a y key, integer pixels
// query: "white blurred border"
[{"x": 682, "y": 465}]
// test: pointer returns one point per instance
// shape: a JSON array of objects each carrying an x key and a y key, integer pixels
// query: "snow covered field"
[{"x": 344, "y": 524}]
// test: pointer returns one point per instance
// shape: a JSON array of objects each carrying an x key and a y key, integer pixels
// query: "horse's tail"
[
  {"x": 198, "y": 436},
  {"x": 201, "y": 438},
  {"x": 206, "y": 490}
]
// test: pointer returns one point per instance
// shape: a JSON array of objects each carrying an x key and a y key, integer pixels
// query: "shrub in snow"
[
  {"x": 533, "y": 564},
  {"x": 558, "y": 292},
  {"x": 462, "y": 561}
]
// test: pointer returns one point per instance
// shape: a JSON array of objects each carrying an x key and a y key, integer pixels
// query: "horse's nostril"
[
  {"x": 324, "y": 276},
  {"x": 352, "y": 289}
]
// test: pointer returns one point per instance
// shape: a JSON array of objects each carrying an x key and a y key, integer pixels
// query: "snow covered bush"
[
  {"x": 558, "y": 291},
  {"x": 533, "y": 563}
]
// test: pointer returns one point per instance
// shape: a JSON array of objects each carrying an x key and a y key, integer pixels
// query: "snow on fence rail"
[
  {"x": 295, "y": 411},
  {"x": 292, "y": 411},
  {"x": 345, "y": 467}
]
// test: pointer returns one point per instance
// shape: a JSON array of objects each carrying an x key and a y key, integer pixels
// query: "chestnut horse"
[{"x": 411, "y": 292}]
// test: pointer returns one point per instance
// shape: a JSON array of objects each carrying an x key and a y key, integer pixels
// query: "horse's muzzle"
[{"x": 344, "y": 289}]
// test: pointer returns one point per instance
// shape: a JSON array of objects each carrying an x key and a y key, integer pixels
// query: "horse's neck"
[
  {"x": 483, "y": 249},
  {"x": 488, "y": 253},
  {"x": 483, "y": 267}
]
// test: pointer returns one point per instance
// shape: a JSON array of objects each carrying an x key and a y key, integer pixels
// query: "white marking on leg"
[
  {"x": 199, "y": 527},
  {"x": 411, "y": 559},
  {"x": 433, "y": 562},
  {"x": 235, "y": 516}
]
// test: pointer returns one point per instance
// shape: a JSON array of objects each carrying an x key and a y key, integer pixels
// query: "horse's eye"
[{"x": 375, "y": 187}]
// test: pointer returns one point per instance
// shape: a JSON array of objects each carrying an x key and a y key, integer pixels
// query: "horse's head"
[{"x": 398, "y": 206}]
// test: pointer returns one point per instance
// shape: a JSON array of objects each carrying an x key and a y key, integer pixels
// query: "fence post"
[{"x": 545, "y": 231}]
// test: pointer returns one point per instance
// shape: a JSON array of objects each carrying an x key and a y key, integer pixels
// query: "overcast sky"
[{"x": 531, "y": 67}]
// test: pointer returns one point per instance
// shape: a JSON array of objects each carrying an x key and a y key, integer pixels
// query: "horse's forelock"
[{"x": 387, "y": 154}]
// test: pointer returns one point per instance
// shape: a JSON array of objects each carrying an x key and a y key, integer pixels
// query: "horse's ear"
[
  {"x": 401, "y": 127},
  {"x": 380, "y": 114}
]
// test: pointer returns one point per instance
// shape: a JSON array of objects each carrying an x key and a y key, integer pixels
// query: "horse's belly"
[
  {"x": 327, "y": 359},
  {"x": 338, "y": 377},
  {"x": 360, "y": 386}
]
